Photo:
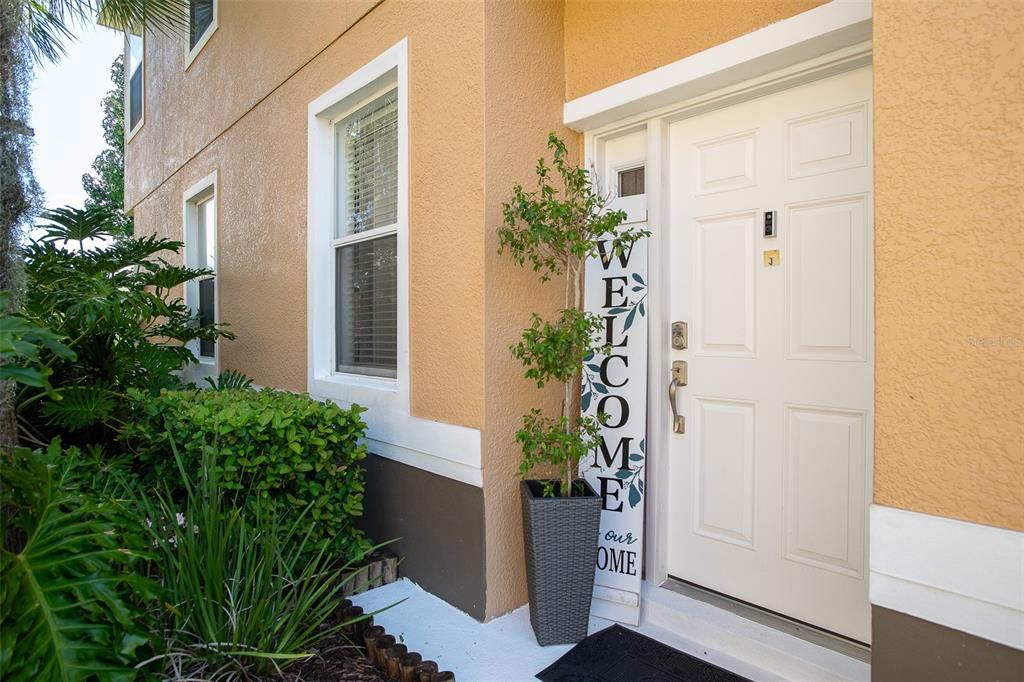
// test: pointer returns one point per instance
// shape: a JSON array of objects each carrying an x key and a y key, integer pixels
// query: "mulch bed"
[
  {"x": 363, "y": 652},
  {"x": 336, "y": 659}
]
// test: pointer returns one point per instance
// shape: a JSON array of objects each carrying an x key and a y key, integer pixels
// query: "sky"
[{"x": 67, "y": 116}]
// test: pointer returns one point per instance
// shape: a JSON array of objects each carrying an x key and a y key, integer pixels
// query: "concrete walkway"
[
  {"x": 505, "y": 650},
  {"x": 502, "y": 650}
]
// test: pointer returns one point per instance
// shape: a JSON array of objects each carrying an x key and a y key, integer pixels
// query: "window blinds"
[
  {"x": 366, "y": 270},
  {"x": 200, "y": 16},
  {"x": 369, "y": 147},
  {"x": 366, "y": 318}
]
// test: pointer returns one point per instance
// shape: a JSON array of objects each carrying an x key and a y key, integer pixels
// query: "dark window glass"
[
  {"x": 135, "y": 99},
  {"x": 206, "y": 316},
  {"x": 631, "y": 182},
  {"x": 366, "y": 313},
  {"x": 200, "y": 16}
]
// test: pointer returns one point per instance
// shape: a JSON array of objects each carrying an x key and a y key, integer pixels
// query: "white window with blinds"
[
  {"x": 365, "y": 239},
  {"x": 199, "y": 204},
  {"x": 357, "y": 241},
  {"x": 357, "y": 265}
]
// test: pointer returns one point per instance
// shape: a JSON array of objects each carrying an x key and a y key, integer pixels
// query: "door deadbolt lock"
[
  {"x": 680, "y": 336},
  {"x": 679, "y": 379}
]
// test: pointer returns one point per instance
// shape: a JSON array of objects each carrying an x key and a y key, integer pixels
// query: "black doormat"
[{"x": 619, "y": 655}]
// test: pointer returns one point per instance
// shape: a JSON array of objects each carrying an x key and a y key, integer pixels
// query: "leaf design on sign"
[
  {"x": 636, "y": 457},
  {"x": 589, "y": 356},
  {"x": 623, "y": 473},
  {"x": 638, "y": 278},
  {"x": 642, "y": 309},
  {"x": 594, "y": 368},
  {"x": 616, "y": 311},
  {"x": 600, "y": 388},
  {"x": 634, "y": 495},
  {"x": 629, "y": 319},
  {"x": 585, "y": 401},
  {"x": 643, "y": 445}
]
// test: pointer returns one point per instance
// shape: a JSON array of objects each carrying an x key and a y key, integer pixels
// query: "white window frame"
[
  {"x": 129, "y": 134},
  {"x": 203, "y": 39},
  {"x": 392, "y": 432},
  {"x": 199, "y": 193}
]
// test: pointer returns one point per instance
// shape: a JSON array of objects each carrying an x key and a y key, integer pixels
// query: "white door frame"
[{"x": 830, "y": 39}]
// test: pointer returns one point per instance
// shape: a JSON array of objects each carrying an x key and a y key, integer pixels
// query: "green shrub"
[{"x": 288, "y": 450}]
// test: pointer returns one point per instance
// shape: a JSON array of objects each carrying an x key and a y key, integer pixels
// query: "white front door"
[{"x": 771, "y": 480}]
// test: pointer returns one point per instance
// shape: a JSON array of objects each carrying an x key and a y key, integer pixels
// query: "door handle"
[{"x": 679, "y": 379}]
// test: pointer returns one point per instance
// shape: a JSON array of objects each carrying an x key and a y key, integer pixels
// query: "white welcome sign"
[{"x": 616, "y": 384}]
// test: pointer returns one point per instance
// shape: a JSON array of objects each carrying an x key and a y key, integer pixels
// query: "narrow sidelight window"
[
  {"x": 365, "y": 238},
  {"x": 134, "y": 75}
]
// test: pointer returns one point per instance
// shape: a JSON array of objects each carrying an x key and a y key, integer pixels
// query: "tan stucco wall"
[
  {"x": 607, "y": 41},
  {"x": 260, "y": 154},
  {"x": 524, "y": 84},
  {"x": 949, "y": 258}
]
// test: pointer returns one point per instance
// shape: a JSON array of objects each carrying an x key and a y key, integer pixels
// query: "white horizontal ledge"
[
  {"x": 444, "y": 449},
  {"x": 811, "y": 34},
  {"x": 965, "y": 576}
]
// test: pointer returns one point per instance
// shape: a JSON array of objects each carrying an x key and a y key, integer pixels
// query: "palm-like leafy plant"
[
  {"x": 70, "y": 594},
  {"x": 230, "y": 380},
  {"x": 119, "y": 310},
  {"x": 50, "y": 23}
]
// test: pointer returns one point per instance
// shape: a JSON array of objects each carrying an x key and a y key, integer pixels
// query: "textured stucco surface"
[
  {"x": 261, "y": 161},
  {"x": 607, "y": 41},
  {"x": 524, "y": 85},
  {"x": 949, "y": 258}
]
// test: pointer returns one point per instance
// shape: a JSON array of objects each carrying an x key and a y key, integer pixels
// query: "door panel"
[
  {"x": 773, "y": 474},
  {"x": 725, "y": 256},
  {"x": 724, "y": 499}
]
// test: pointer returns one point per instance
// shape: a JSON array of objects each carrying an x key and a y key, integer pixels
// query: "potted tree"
[{"x": 554, "y": 231}]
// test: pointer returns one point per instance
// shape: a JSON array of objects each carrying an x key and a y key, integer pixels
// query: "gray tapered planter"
[{"x": 560, "y": 537}]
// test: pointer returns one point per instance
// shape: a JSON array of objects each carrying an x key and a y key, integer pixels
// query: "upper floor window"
[
  {"x": 365, "y": 238},
  {"x": 202, "y": 22},
  {"x": 134, "y": 82}
]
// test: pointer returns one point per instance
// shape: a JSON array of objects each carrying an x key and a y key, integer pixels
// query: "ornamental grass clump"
[
  {"x": 554, "y": 231},
  {"x": 246, "y": 594}
]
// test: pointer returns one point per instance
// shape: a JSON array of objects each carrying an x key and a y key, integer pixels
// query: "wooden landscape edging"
[
  {"x": 390, "y": 657},
  {"x": 378, "y": 569}
]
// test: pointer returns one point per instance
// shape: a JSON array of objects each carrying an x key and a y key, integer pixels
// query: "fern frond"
[
  {"x": 79, "y": 407},
  {"x": 230, "y": 380}
]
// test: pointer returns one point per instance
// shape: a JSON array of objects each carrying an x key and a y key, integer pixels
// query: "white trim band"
[
  {"x": 824, "y": 29},
  {"x": 965, "y": 576}
]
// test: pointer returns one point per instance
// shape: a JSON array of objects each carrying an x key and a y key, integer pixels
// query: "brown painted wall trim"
[
  {"x": 441, "y": 525},
  {"x": 909, "y": 649}
]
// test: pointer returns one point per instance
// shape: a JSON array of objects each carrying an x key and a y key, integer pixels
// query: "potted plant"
[{"x": 554, "y": 231}]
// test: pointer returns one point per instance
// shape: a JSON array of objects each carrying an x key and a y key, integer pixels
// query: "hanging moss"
[{"x": 20, "y": 196}]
